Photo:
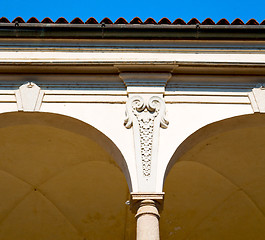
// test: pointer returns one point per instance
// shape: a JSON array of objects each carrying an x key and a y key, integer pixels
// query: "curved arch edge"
[
  {"x": 212, "y": 129},
  {"x": 71, "y": 124}
]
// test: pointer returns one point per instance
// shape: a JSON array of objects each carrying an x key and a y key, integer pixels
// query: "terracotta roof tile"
[
  {"x": 33, "y": 20},
  {"x": 121, "y": 20},
  {"x": 136, "y": 20},
  {"x": 77, "y": 21},
  {"x": 106, "y": 21},
  {"x": 4, "y": 20},
  {"x": 164, "y": 21},
  {"x": 237, "y": 21},
  {"x": 193, "y": 21},
  {"x": 208, "y": 21},
  {"x": 223, "y": 21},
  {"x": 46, "y": 20},
  {"x": 18, "y": 20},
  {"x": 179, "y": 21},
  {"x": 150, "y": 21},
  {"x": 91, "y": 20},
  {"x": 252, "y": 22},
  {"x": 61, "y": 20}
]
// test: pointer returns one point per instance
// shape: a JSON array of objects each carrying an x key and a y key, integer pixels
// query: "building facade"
[{"x": 114, "y": 131}]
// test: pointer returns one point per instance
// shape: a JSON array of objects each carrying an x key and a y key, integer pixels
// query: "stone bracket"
[
  {"x": 146, "y": 116},
  {"x": 257, "y": 99},
  {"x": 29, "y": 97}
]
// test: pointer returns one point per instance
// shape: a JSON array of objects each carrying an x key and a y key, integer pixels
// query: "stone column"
[{"x": 147, "y": 208}]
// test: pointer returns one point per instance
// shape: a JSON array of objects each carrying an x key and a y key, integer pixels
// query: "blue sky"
[{"x": 185, "y": 9}]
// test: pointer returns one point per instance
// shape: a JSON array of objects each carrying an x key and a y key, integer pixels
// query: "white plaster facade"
[{"x": 147, "y": 97}]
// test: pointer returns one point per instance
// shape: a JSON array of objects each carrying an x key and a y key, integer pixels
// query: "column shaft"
[{"x": 147, "y": 218}]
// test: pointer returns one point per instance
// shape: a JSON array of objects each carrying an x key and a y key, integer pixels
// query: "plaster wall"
[
  {"x": 190, "y": 78},
  {"x": 106, "y": 112}
]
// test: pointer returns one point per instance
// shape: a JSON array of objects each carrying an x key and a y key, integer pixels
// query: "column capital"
[
  {"x": 147, "y": 207},
  {"x": 138, "y": 200}
]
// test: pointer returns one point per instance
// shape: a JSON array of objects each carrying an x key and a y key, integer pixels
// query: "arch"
[
  {"x": 216, "y": 184},
  {"x": 243, "y": 121},
  {"x": 58, "y": 178},
  {"x": 69, "y": 124}
]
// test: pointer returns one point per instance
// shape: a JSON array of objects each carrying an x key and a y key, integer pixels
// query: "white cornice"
[{"x": 96, "y": 58}]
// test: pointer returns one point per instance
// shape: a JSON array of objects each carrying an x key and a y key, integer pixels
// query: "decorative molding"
[
  {"x": 196, "y": 84},
  {"x": 85, "y": 96},
  {"x": 207, "y": 98},
  {"x": 145, "y": 79},
  {"x": 137, "y": 197},
  {"x": 121, "y": 57},
  {"x": 209, "y": 93},
  {"x": 29, "y": 97},
  {"x": 154, "y": 106},
  {"x": 257, "y": 99},
  {"x": 146, "y": 117},
  {"x": 145, "y": 82}
]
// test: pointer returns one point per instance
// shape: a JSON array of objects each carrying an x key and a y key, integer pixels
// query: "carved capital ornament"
[{"x": 146, "y": 117}]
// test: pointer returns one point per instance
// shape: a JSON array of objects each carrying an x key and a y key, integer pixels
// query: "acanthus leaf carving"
[
  {"x": 144, "y": 115},
  {"x": 155, "y": 103}
]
